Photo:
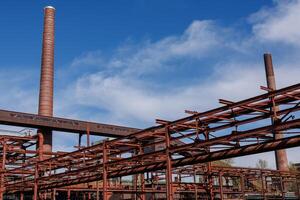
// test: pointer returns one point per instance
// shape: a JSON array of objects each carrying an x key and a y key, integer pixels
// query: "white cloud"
[
  {"x": 129, "y": 91},
  {"x": 278, "y": 24},
  {"x": 16, "y": 90},
  {"x": 91, "y": 58}
]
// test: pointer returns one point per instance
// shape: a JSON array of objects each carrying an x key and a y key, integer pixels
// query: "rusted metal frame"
[
  {"x": 63, "y": 156},
  {"x": 237, "y": 113},
  {"x": 246, "y": 150},
  {"x": 220, "y": 109},
  {"x": 243, "y": 134},
  {"x": 226, "y": 102},
  {"x": 288, "y": 122},
  {"x": 62, "y": 124},
  {"x": 240, "y": 103},
  {"x": 129, "y": 191},
  {"x": 241, "y": 122}
]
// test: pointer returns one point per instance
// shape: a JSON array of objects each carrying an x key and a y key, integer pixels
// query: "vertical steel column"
[
  {"x": 105, "y": 195},
  {"x": 221, "y": 185},
  {"x": 35, "y": 187},
  {"x": 210, "y": 184},
  {"x": 263, "y": 185},
  {"x": 280, "y": 155},
  {"x": 2, "y": 189},
  {"x": 47, "y": 74},
  {"x": 169, "y": 186},
  {"x": 242, "y": 181},
  {"x": 142, "y": 177},
  {"x": 54, "y": 194},
  {"x": 69, "y": 194},
  {"x": 297, "y": 188},
  {"x": 195, "y": 183},
  {"x": 97, "y": 190},
  {"x": 134, "y": 181},
  {"x": 88, "y": 136},
  {"x": 282, "y": 188},
  {"x": 21, "y": 196}
]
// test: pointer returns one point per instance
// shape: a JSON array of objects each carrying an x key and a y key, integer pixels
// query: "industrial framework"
[{"x": 173, "y": 160}]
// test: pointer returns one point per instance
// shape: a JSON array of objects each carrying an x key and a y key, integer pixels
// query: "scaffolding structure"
[{"x": 158, "y": 157}]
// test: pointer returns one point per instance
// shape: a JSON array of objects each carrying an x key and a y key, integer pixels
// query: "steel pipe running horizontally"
[{"x": 47, "y": 75}]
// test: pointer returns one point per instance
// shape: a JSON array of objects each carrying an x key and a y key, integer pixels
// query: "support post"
[
  {"x": 282, "y": 188},
  {"x": 263, "y": 186},
  {"x": 97, "y": 190},
  {"x": 2, "y": 189},
  {"x": 35, "y": 188},
  {"x": 210, "y": 184},
  {"x": 195, "y": 183},
  {"x": 221, "y": 185},
  {"x": 69, "y": 194},
  {"x": 105, "y": 195},
  {"x": 88, "y": 136},
  {"x": 280, "y": 155},
  {"x": 21, "y": 196},
  {"x": 53, "y": 194},
  {"x": 142, "y": 178},
  {"x": 242, "y": 182},
  {"x": 169, "y": 186}
]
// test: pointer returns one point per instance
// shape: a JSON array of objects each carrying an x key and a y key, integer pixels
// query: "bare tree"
[{"x": 262, "y": 164}]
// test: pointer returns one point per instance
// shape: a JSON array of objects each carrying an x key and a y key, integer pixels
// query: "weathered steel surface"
[{"x": 62, "y": 124}]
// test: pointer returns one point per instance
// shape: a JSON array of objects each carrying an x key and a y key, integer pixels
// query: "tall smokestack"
[
  {"x": 280, "y": 155},
  {"x": 47, "y": 74}
]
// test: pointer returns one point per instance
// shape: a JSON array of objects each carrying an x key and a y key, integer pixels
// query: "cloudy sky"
[{"x": 130, "y": 62}]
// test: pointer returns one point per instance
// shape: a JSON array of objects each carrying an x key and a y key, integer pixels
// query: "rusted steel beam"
[
  {"x": 245, "y": 150},
  {"x": 84, "y": 165},
  {"x": 221, "y": 154},
  {"x": 62, "y": 124}
]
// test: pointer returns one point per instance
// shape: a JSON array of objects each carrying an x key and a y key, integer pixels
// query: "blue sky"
[{"x": 129, "y": 62}]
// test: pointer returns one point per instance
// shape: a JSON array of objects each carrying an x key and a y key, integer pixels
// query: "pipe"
[
  {"x": 280, "y": 155},
  {"x": 47, "y": 74}
]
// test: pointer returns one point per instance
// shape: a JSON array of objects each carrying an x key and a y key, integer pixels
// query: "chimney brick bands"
[{"x": 47, "y": 73}]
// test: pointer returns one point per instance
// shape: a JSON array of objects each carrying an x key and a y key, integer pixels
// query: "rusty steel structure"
[
  {"x": 21, "y": 119},
  {"x": 232, "y": 130},
  {"x": 171, "y": 160}
]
